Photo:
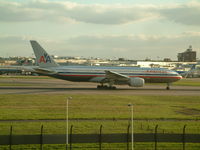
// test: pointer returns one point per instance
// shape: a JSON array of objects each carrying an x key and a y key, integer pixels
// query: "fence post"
[
  {"x": 11, "y": 129},
  {"x": 184, "y": 136},
  {"x": 155, "y": 136},
  {"x": 70, "y": 139},
  {"x": 100, "y": 137},
  {"x": 41, "y": 138},
  {"x": 128, "y": 132}
]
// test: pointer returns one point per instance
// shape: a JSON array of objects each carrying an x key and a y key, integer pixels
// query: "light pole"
[
  {"x": 67, "y": 120},
  {"x": 132, "y": 137}
]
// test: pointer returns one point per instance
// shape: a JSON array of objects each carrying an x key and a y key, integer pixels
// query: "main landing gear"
[
  {"x": 168, "y": 86},
  {"x": 106, "y": 87}
]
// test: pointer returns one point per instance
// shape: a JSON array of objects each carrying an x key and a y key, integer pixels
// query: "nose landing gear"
[{"x": 168, "y": 86}]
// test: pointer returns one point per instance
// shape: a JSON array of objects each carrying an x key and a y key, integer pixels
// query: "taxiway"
[{"x": 56, "y": 86}]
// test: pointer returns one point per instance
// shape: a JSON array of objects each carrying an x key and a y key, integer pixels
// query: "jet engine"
[{"x": 136, "y": 82}]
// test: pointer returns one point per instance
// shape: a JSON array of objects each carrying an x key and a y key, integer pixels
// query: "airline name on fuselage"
[{"x": 156, "y": 71}]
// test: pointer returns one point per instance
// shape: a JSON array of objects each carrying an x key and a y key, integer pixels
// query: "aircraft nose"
[{"x": 178, "y": 76}]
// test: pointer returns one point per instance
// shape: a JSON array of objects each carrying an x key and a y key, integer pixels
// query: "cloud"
[
  {"x": 51, "y": 10},
  {"x": 117, "y": 14},
  {"x": 106, "y": 46},
  {"x": 131, "y": 46},
  {"x": 14, "y": 46},
  {"x": 187, "y": 14},
  {"x": 40, "y": 10}
]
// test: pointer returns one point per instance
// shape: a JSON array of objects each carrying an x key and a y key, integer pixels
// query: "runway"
[{"x": 56, "y": 86}]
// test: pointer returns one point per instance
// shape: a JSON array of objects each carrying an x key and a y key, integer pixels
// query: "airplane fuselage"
[{"x": 96, "y": 74}]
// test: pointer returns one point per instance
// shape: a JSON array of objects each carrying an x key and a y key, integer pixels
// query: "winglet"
[{"x": 42, "y": 57}]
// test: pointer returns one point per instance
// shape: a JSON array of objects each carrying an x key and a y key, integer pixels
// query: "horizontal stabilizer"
[{"x": 44, "y": 71}]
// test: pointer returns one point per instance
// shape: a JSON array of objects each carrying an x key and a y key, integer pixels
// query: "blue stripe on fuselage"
[{"x": 128, "y": 74}]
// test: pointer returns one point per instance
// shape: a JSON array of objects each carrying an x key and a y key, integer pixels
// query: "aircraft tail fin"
[{"x": 42, "y": 57}]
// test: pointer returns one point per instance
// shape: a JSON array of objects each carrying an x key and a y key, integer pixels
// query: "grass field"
[
  {"x": 91, "y": 127},
  {"x": 175, "y": 110},
  {"x": 171, "y": 113},
  {"x": 187, "y": 82},
  {"x": 106, "y": 146},
  {"x": 99, "y": 106}
]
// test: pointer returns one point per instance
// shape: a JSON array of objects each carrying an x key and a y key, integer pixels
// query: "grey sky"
[{"x": 134, "y": 30}]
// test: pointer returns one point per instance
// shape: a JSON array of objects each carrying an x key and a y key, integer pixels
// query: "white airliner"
[{"x": 107, "y": 77}]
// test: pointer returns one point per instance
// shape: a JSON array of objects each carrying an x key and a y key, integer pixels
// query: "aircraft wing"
[{"x": 111, "y": 75}]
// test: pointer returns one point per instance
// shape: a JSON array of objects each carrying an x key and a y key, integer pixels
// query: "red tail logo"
[
  {"x": 42, "y": 59},
  {"x": 45, "y": 58}
]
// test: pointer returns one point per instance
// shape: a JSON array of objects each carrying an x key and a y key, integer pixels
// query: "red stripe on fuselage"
[
  {"x": 76, "y": 75},
  {"x": 174, "y": 77}
]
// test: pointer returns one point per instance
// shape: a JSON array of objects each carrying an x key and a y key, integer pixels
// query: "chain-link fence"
[{"x": 102, "y": 141}]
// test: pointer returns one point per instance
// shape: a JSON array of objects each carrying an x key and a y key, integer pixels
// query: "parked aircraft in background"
[
  {"x": 194, "y": 72},
  {"x": 25, "y": 70},
  {"x": 7, "y": 70},
  {"x": 106, "y": 76}
]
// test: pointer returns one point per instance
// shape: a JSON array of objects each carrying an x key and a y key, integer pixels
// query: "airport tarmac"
[{"x": 57, "y": 86}]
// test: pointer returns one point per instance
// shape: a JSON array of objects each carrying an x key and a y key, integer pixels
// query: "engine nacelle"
[{"x": 136, "y": 82}]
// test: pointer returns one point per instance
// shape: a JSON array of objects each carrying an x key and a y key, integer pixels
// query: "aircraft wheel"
[
  {"x": 105, "y": 87},
  {"x": 99, "y": 87},
  {"x": 102, "y": 87},
  {"x": 114, "y": 88}
]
